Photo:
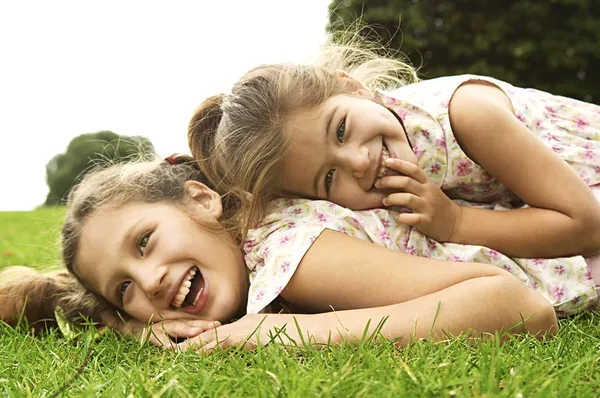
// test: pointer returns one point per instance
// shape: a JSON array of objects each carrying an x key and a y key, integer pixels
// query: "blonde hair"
[
  {"x": 239, "y": 139},
  {"x": 37, "y": 294}
]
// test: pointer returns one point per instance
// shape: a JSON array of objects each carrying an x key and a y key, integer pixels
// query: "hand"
[
  {"x": 160, "y": 333},
  {"x": 255, "y": 329},
  {"x": 434, "y": 214}
]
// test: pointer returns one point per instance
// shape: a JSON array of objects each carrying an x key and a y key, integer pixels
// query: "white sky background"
[{"x": 133, "y": 67}]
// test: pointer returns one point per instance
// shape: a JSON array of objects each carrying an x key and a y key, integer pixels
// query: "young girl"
[
  {"x": 148, "y": 239},
  {"x": 315, "y": 131}
]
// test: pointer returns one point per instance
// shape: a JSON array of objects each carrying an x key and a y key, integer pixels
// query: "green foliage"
[
  {"x": 85, "y": 152},
  {"x": 549, "y": 45}
]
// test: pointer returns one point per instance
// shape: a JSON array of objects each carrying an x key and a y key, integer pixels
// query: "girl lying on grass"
[
  {"x": 149, "y": 240},
  {"x": 442, "y": 155}
]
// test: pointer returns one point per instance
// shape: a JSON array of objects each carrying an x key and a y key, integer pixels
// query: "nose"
[
  {"x": 357, "y": 161},
  {"x": 152, "y": 280}
]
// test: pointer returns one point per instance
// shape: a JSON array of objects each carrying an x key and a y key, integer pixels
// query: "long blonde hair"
[
  {"x": 34, "y": 295},
  {"x": 239, "y": 139}
]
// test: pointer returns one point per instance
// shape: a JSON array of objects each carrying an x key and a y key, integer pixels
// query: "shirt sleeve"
[{"x": 274, "y": 250}]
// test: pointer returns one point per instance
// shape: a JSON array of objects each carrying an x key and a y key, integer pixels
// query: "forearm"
[
  {"x": 528, "y": 232},
  {"x": 480, "y": 305}
]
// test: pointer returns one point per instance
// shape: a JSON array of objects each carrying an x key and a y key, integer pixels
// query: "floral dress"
[{"x": 570, "y": 127}]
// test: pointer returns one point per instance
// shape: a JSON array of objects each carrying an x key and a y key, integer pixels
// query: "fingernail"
[
  {"x": 384, "y": 201},
  {"x": 388, "y": 161},
  {"x": 377, "y": 182}
]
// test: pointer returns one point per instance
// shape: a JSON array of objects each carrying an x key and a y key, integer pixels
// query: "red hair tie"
[{"x": 171, "y": 160}]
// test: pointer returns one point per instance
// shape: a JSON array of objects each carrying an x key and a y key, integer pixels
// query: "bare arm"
[
  {"x": 363, "y": 282},
  {"x": 564, "y": 218}
]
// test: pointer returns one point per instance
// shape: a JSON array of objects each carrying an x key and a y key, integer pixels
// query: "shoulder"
[{"x": 476, "y": 103}]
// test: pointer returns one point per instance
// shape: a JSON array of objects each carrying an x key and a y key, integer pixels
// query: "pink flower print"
[
  {"x": 559, "y": 269},
  {"x": 557, "y": 149},
  {"x": 385, "y": 222},
  {"x": 552, "y": 137},
  {"x": 486, "y": 177},
  {"x": 290, "y": 202},
  {"x": 402, "y": 114},
  {"x": 291, "y": 224},
  {"x": 437, "y": 93},
  {"x": 539, "y": 263},
  {"x": 532, "y": 285},
  {"x": 321, "y": 217},
  {"x": 521, "y": 118},
  {"x": 297, "y": 211},
  {"x": 441, "y": 142},
  {"x": 435, "y": 168},
  {"x": 265, "y": 252},
  {"x": 410, "y": 250},
  {"x": 384, "y": 236},
  {"x": 259, "y": 296},
  {"x": 284, "y": 241},
  {"x": 551, "y": 110},
  {"x": 278, "y": 290},
  {"x": 418, "y": 151},
  {"x": 491, "y": 253},
  {"x": 588, "y": 144},
  {"x": 581, "y": 122},
  {"x": 312, "y": 239},
  {"x": 587, "y": 276},
  {"x": 454, "y": 257},
  {"x": 463, "y": 167},
  {"x": 285, "y": 266},
  {"x": 558, "y": 292},
  {"x": 538, "y": 123},
  {"x": 431, "y": 244},
  {"x": 250, "y": 244},
  {"x": 425, "y": 133},
  {"x": 508, "y": 268},
  {"x": 444, "y": 104},
  {"x": 589, "y": 155},
  {"x": 584, "y": 176}
]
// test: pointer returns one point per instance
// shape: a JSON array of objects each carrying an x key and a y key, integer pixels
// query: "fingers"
[
  {"x": 400, "y": 183},
  {"x": 407, "y": 168},
  {"x": 183, "y": 328},
  {"x": 413, "y": 202},
  {"x": 410, "y": 219}
]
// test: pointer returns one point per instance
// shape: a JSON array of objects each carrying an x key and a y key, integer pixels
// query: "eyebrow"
[{"x": 326, "y": 132}]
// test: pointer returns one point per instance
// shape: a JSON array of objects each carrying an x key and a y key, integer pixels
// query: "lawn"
[{"x": 50, "y": 365}]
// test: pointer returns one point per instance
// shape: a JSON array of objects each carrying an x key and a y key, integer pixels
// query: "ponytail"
[
  {"x": 27, "y": 294},
  {"x": 203, "y": 128}
]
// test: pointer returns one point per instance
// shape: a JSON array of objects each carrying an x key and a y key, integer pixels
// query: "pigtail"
[
  {"x": 27, "y": 294},
  {"x": 203, "y": 127}
]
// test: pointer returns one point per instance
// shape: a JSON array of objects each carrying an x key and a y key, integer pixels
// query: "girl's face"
[
  {"x": 338, "y": 148},
  {"x": 156, "y": 261}
]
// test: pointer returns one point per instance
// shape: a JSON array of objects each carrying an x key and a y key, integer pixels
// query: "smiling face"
[
  {"x": 156, "y": 261},
  {"x": 337, "y": 151}
]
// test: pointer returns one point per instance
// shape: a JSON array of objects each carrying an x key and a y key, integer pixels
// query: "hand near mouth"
[{"x": 433, "y": 213}]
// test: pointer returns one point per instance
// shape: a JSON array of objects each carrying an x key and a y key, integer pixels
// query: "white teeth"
[
  {"x": 184, "y": 289},
  {"x": 198, "y": 296},
  {"x": 385, "y": 154}
]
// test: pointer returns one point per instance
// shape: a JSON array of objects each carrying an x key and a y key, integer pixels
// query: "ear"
[
  {"x": 348, "y": 84},
  {"x": 198, "y": 194}
]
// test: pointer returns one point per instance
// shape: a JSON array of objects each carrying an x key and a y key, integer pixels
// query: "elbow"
[
  {"x": 537, "y": 315},
  {"x": 588, "y": 231}
]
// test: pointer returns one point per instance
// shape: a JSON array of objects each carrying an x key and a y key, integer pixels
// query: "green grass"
[{"x": 566, "y": 365}]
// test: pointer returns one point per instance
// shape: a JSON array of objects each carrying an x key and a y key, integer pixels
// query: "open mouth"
[
  {"x": 385, "y": 154},
  {"x": 190, "y": 290}
]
